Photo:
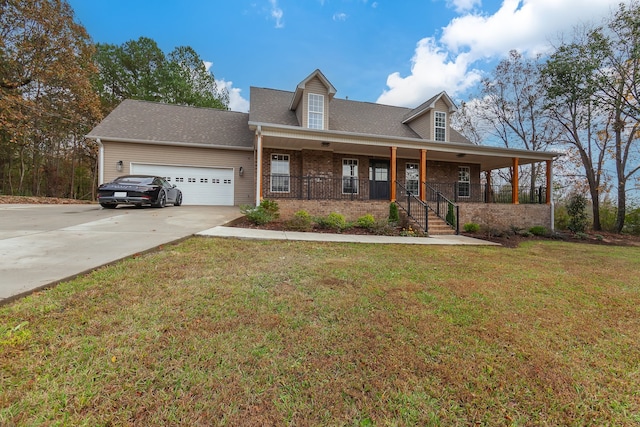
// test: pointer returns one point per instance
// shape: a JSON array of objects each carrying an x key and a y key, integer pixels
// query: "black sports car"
[{"x": 138, "y": 190}]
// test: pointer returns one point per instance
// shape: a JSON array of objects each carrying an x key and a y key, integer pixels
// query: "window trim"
[
  {"x": 286, "y": 178},
  {"x": 311, "y": 111},
  {"x": 355, "y": 177},
  {"x": 467, "y": 182},
  {"x": 436, "y": 126},
  {"x": 406, "y": 178}
]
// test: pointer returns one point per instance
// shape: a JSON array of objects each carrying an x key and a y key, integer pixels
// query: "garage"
[{"x": 199, "y": 185}]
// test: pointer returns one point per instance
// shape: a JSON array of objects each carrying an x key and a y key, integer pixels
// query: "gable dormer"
[
  {"x": 431, "y": 120},
  {"x": 311, "y": 101}
]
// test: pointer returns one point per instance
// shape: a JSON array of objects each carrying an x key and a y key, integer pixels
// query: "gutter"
[{"x": 171, "y": 143}]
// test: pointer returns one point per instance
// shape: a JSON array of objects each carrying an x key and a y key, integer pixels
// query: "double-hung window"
[
  {"x": 440, "y": 126},
  {"x": 464, "y": 181},
  {"x": 280, "y": 173},
  {"x": 349, "y": 176},
  {"x": 316, "y": 111},
  {"x": 412, "y": 178}
]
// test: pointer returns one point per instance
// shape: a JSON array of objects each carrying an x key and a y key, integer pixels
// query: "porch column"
[
  {"x": 487, "y": 191},
  {"x": 423, "y": 175},
  {"x": 549, "y": 174},
  {"x": 258, "y": 166},
  {"x": 515, "y": 184},
  {"x": 393, "y": 173}
]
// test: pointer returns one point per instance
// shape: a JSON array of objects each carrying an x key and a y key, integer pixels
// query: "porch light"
[
  {"x": 325, "y": 143},
  {"x": 119, "y": 165},
  {"x": 241, "y": 171}
]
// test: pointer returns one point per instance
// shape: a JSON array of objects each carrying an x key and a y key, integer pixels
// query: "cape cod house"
[{"x": 309, "y": 150}]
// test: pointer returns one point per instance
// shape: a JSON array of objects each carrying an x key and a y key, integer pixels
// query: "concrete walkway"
[{"x": 246, "y": 233}]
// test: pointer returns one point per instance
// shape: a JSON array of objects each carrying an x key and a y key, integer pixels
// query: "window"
[
  {"x": 280, "y": 173},
  {"x": 464, "y": 181},
  {"x": 412, "y": 178},
  {"x": 349, "y": 176},
  {"x": 440, "y": 126},
  {"x": 316, "y": 111}
]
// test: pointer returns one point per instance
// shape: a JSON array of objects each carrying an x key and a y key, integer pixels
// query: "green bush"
[
  {"x": 301, "y": 221},
  {"x": 366, "y": 221},
  {"x": 561, "y": 217},
  {"x": 538, "y": 230},
  {"x": 266, "y": 212},
  {"x": 394, "y": 215},
  {"x": 471, "y": 227},
  {"x": 632, "y": 222},
  {"x": 383, "y": 228},
  {"x": 451, "y": 216},
  {"x": 333, "y": 221},
  {"x": 577, "y": 211}
]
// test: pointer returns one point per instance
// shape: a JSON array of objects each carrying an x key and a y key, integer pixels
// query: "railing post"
[{"x": 426, "y": 219}]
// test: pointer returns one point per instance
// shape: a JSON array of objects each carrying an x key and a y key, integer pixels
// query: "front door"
[{"x": 379, "y": 179}]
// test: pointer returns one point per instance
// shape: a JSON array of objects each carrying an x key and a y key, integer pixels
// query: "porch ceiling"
[{"x": 488, "y": 158}]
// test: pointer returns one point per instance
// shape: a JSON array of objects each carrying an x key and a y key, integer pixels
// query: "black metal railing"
[
  {"x": 460, "y": 192},
  {"x": 444, "y": 208},
  {"x": 415, "y": 208},
  {"x": 314, "y": 187}
]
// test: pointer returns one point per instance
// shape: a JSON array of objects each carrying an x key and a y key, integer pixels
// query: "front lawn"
[{"x": 246, "y": 333}]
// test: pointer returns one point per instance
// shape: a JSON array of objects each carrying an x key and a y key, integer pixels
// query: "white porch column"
[{"x": 258, "y": 165}]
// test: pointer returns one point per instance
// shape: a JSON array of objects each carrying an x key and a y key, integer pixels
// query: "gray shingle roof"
[
  {"x": 157, "y": 122},
  {"x": 272, "y": 106}
]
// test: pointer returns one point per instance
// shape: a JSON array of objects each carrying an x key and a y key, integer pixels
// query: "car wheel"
[
  {"x": 178, "y": 201},
  {"x": 162, "y": 200},
  {"x": 108, "y": 205}
]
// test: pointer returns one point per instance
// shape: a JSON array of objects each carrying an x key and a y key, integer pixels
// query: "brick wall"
[
  {"x": 503, "y": 216},
  {"x": 352, "y": 210}
]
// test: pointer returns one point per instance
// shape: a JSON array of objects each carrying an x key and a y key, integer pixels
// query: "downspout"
[
  {"x": 100, "y": 161},
  {"x": 258, "y": 165}
]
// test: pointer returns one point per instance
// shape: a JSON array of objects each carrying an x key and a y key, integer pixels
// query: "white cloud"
[
  {"x": 277, "y": 13},
  {"x": 451, "y": 62},
  {"x": 236, "y": 101},
  {"x": 463, "y": 5},
  {"x": 339, "y": 16}
]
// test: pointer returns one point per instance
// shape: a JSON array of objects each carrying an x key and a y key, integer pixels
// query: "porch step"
[{"x": 437, "y": 226}]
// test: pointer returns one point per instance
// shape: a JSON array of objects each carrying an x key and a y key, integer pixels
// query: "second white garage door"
[{"x": 200, "y": 186}]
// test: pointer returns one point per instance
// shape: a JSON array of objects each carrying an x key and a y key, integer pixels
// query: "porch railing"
[
  {"x": 481, "y": 193},
  {"x": 314, "y": 187},
  {"x": 444, "y": 208}
]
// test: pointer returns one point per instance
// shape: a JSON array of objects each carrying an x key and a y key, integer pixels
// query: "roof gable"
[
  {"x": 297, "y": 95},
  {"x": 429, "y": 105}
]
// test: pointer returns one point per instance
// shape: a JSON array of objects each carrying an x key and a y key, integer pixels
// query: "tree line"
[
  {"x": 581, "y": 100},
  {"x": 56, "y": 85}
]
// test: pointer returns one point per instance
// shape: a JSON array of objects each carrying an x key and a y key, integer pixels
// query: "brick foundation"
[
  {"x": 504, "y": 216},
  {"x": 351, "y": 210}
]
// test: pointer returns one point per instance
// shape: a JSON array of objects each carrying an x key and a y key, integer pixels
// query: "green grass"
[{"x": 230, "y": 332}]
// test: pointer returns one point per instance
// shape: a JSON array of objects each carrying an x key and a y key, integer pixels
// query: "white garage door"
[{"x": 200, "y": 186}]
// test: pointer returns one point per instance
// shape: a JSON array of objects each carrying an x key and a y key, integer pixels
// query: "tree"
[
  {"x": 570, "y": 80},
  {"x": 511, "y": 106},
  {"x": 138, "y": 69},
  {"x": 618, "y": 81},
  {"x": 46, "y": 98}
]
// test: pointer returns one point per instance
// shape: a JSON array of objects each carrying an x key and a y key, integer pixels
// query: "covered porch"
[{"x": 296, "y": 164}]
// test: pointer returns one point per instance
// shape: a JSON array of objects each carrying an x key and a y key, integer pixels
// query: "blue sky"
[{"x": 397, "y": 52}]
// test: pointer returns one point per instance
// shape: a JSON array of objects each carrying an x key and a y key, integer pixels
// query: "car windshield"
[{"x": 135, "y": 180}]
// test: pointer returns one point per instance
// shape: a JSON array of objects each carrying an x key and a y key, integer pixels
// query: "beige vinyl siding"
[
  {"x": 244, "y": 186},
  {"x": 423, "y": 125},
  {"x": 316, "y": 86}
]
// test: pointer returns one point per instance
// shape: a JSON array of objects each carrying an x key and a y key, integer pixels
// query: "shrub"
[
  {"x": 538, "y": 230},
  {"x": 383, "y": 228},
  {"x": 301, "y": 221},
  {"x": 471, "y": 227},
  {"x": 333, "y": 221},
  {"x": 451, "y": 216},
  {"x": 394, "y": 215},
  {"x": 577, "y": 211},
  {"x": 266, "y": 212},
  {"x": 366, "y": 221}
]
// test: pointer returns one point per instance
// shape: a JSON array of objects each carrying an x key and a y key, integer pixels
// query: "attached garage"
[
  {"x": 207, "y": 153},
  {"x": 199, "y": 185}
]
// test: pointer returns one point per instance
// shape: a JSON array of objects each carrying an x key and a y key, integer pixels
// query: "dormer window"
[
  {"x": 440, "y": 126},
  {"x": 316, "y": 111}
]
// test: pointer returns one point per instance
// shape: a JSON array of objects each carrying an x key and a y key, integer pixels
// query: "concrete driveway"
[{"x": 45, "y": 244}]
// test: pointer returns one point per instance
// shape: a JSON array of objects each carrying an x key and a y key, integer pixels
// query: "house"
[{"x": 310, "y": 150}]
